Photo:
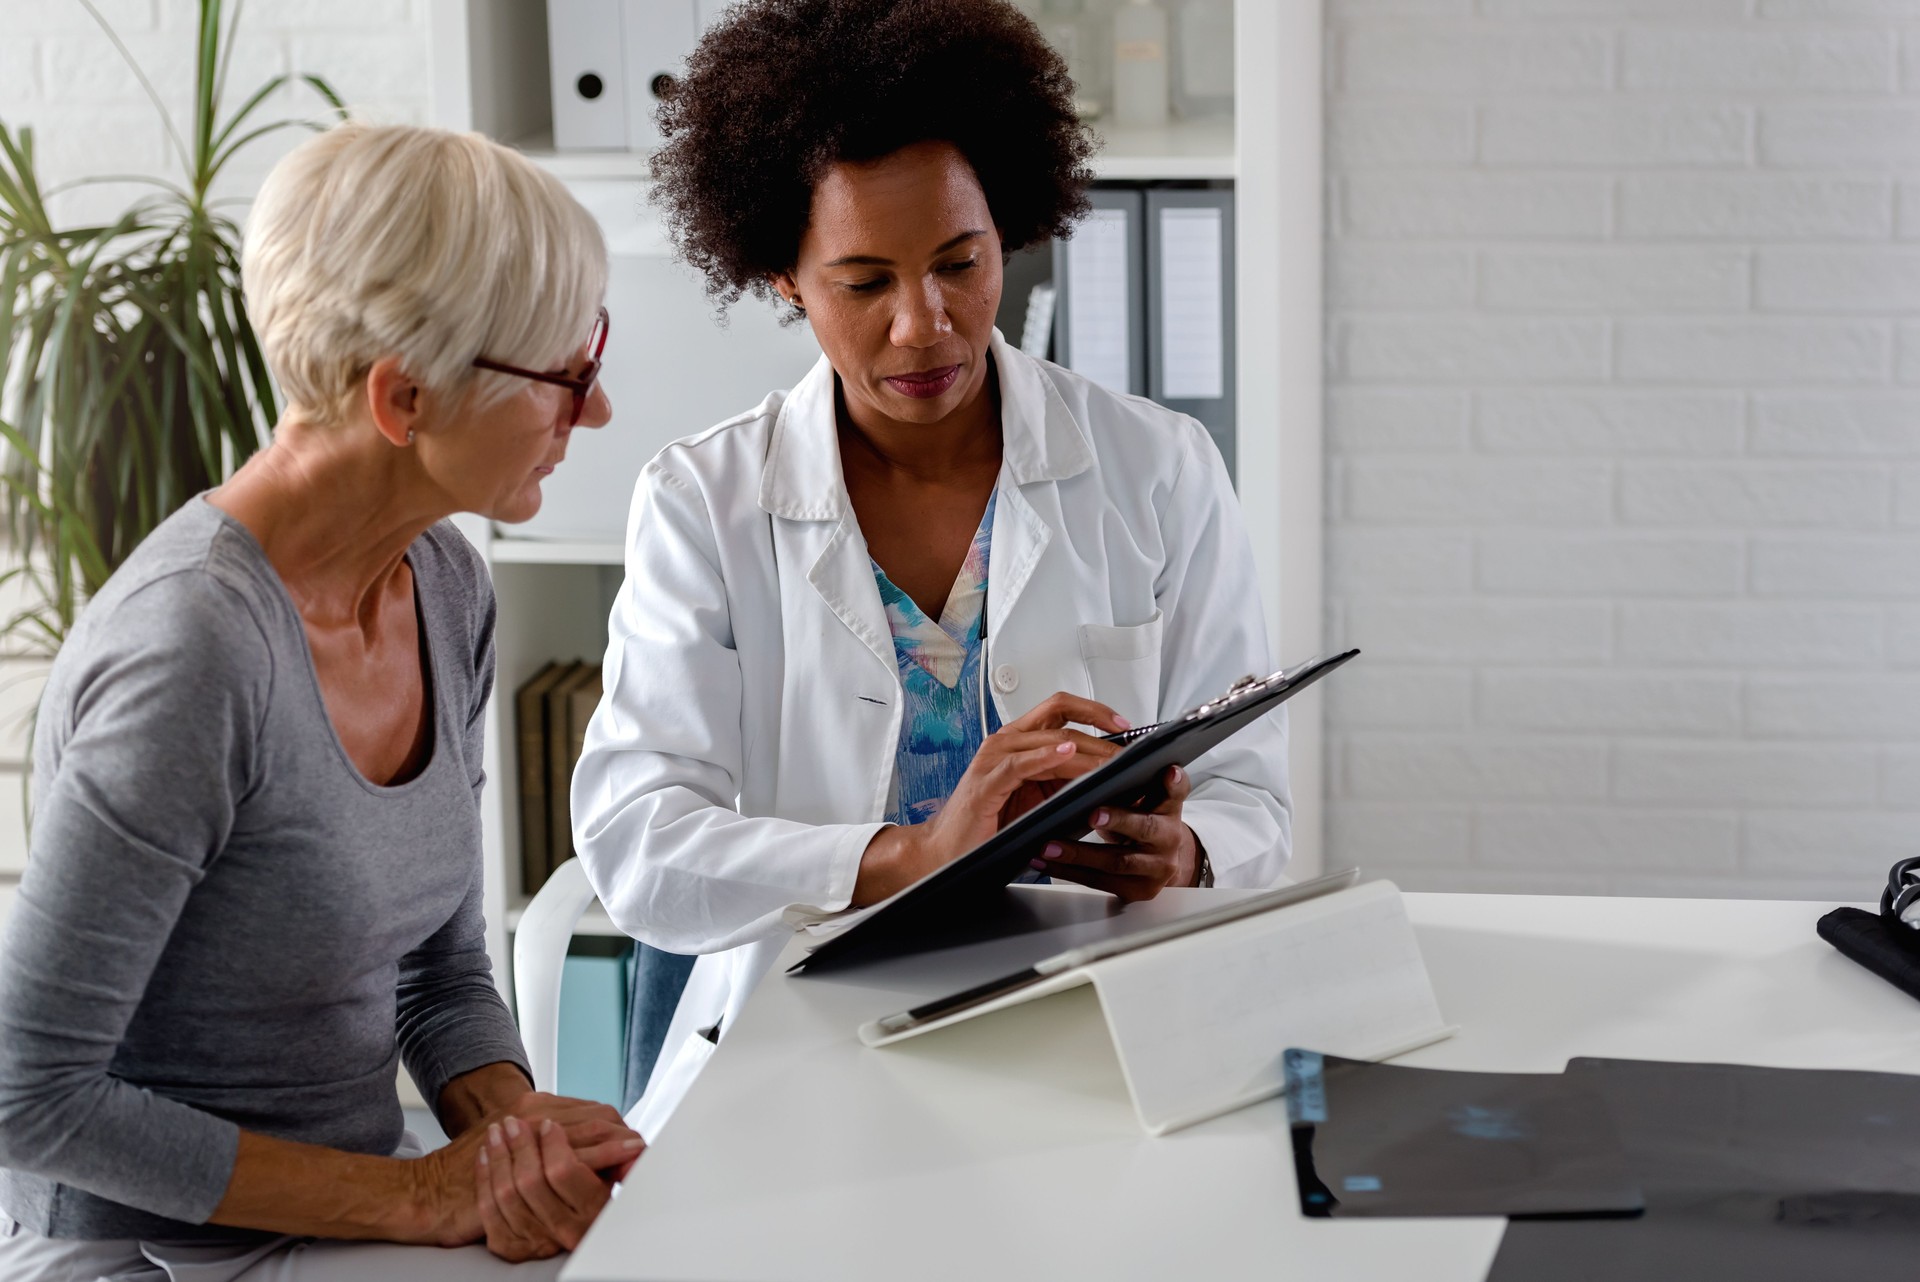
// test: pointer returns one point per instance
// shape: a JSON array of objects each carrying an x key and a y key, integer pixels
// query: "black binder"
[{"x": 1131, "y": 781}]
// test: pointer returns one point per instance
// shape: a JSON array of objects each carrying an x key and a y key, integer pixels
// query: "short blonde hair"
[{"x": 436, "y": 247}]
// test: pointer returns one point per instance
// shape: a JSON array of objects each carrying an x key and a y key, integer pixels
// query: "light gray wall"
[{"x": 1624, "y": 428}]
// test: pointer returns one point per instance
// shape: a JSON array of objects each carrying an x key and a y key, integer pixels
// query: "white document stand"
[{"x": 1200, "y": 1023}]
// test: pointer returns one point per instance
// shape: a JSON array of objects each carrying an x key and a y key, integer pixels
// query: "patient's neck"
[{"x": 335, "y": 511}]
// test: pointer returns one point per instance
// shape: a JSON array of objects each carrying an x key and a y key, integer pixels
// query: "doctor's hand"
[
  {"x": 1143, "y": 851},
  {"x": 1017, "y": 767}
]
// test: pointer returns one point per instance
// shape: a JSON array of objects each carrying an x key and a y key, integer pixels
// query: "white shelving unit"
[
  {"x": 1185, "y": 149},
  {"x": 553, "y": 596}
]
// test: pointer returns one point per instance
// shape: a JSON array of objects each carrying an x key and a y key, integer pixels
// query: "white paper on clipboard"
[
  {"x": 1193, "y": 343},
  {"x": 1098, "y": 341}
]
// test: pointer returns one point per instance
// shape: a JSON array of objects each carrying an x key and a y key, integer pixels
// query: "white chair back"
[{"x": 539, "y": 958}]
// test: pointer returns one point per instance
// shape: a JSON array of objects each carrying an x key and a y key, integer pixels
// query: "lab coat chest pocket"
[{"x": 1123, "y": 667}]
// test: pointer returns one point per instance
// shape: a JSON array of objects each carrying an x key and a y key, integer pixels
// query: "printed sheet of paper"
[
  {"x": 1098, "y": 334},
  {"x": 1192, "y": 341}
]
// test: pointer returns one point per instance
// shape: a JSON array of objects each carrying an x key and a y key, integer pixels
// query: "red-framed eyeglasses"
[{"x": 581, "y": 384}]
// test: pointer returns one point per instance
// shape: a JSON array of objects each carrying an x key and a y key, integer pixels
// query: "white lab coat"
[{"x": 743, "y": 754}]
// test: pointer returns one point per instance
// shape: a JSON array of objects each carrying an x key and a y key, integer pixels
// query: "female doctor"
[{"x": 871, "y": 619}]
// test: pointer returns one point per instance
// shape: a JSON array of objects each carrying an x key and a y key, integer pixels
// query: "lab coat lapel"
[
  {"x": 842, "y": 574},
  {"x": 1020, "y": 536},
  {"x": 802, "y": 483},
  {"x": 1042, "y": 445}
]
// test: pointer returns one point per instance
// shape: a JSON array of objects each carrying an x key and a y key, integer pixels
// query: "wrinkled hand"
[
  {"x": 596, "y": 1132},
  {"x": 535, "y": 1194},
  {"x": 593, "y": 1133},
  {"x": 1143, "y": 851}
]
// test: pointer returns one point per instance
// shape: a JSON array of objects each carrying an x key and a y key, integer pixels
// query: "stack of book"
[{"x": 551, "y": 711}]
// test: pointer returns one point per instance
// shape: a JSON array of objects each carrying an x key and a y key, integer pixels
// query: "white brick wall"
[
  {"x": 60, "y": 74},
  {"x": 1624, "y": 441}
]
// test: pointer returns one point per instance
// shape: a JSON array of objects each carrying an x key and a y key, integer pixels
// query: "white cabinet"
[
  {"x": 673, "y": 372},
  {"x": 670, "y": 369}
]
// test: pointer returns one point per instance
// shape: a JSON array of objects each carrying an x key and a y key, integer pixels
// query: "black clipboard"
[{"x": 1131, "y": 781}]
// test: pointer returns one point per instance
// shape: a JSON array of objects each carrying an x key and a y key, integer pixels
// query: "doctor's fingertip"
[
  {"x": 1038, "y": 865},
  {"x": 1121, "y": 722},
  {"x": 1052, "y": 851},
  {"x": 1065, "y": 749}
]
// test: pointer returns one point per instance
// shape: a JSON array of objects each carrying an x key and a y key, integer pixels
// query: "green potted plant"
[{"x": 133, "y": 379}]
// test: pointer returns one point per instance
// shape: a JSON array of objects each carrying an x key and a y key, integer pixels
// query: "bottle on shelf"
[
  {"x": 1140, "y": 65},
  {"x": 1202, "y": 58},
  {"x": 1074, "y": 34}
]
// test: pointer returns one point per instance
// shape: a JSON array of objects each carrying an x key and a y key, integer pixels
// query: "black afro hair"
[{"x": 779, "y": 90}]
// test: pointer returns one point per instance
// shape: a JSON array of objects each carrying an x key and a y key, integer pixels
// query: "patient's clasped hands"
[{"x": 529, "y": 1178}]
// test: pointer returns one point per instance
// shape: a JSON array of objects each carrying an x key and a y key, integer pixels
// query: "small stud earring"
[{"x": 409, "y": 436}]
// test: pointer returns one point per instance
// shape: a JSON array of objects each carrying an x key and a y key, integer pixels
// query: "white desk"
[{"x": 1006, "y": 1147}]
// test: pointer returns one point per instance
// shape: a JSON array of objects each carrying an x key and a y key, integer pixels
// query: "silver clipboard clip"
[{"x": 1247, "y": 687}]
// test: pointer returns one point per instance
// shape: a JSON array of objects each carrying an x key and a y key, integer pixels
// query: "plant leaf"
[
  {"x": 172, "y": 132},
  {"x": 247, "y": 109},
  {"x": 133, "y": 378}
]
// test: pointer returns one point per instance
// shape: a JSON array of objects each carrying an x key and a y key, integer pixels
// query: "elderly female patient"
[{"x": 255, "y": 881}]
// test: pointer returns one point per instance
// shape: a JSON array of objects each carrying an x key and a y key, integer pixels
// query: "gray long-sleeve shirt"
[{"x": 223, "y": 924}]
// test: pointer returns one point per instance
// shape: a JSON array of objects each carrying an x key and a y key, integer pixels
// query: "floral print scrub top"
[{"x": 940, "y": 661}]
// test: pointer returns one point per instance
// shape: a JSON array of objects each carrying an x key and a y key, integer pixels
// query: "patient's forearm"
[
  {"x": 306, "y": 1190},
  {"x": 473, "y": 1096},
  {"x": 303, "y": 1189}
]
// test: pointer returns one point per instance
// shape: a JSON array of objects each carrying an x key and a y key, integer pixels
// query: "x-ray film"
[
  {"x": 1385, "y": 1140},
  {"x": 1760, "y": 1174}
]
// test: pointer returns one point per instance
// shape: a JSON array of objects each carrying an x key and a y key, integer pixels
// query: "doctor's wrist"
[
  {"x": 895, "y": 858},
  {"x": 1202, "y": 866}
]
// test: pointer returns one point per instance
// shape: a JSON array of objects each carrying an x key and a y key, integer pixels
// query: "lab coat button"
[{"x": 1005, "y": 679}]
